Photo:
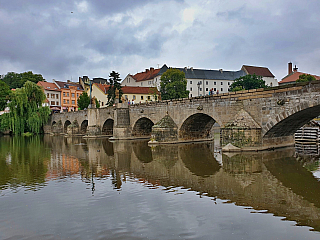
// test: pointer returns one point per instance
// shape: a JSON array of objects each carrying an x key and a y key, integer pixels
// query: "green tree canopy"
[
  {"x": 26, "y": 111},
  {"x": 114, "y": 80},
  {"x": 306, "y": 78},
  {"x": 83, "y": 101},
  {"x": 17, "y": 80},
  {"x": 173, "y": 85},
  {"x": 4, "y": 95},
  {"x": 247, "y": 82}
]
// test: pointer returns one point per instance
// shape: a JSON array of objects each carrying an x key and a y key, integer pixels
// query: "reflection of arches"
[
  {"x": 197, "y": 126},
  {"x": 286, "y": 125},
  {"x": 108, "y": 147},
  {"x": 84, "y": 126},
  {"x": 66, "y": 124},
  {"x": 199, "y": 159},
  {"x": 107, "y": 128},
  {"x": 142, "y": 127},
  {"x": 142, "y": 151}
]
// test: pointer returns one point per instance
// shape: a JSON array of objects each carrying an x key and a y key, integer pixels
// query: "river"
[{"x": 72, "y": 188}]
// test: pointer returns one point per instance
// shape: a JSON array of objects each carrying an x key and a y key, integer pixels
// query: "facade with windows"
[
  {"x": 53, "y": 94},
  {"x": 70, "y": 92}
]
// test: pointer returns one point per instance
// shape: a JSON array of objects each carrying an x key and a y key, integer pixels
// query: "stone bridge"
[{"x": 249, "y": 120}]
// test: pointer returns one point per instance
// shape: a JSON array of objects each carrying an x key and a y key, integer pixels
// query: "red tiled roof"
[
  {"x": 48, "y": 86},
  {"x": 127, "y": 89},
  {"x": 294, "y": 76},
  {"x": 63, "y": 84},
  {"x": 259, "y": 71},
  {"x": 146, "y": 75}
]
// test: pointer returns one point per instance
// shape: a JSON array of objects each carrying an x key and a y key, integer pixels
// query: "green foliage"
[
  {"x": 114, "y": 80},
  {"x": 97, "y": 104},
  {"x": 306, "y": 78},
  {"x": 83, "y": 101},
  {"x": 4, "y": 95},
  {"x": 247, "y": 82},
  {"x": 173, "y": 85},
  {"x": 17, "y": 80},
  {"x": 154, "y": 92},
  {"x": 26, "y": 111}
]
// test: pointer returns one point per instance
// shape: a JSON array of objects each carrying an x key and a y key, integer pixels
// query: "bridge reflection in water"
[{"x": 275, "y": 182}]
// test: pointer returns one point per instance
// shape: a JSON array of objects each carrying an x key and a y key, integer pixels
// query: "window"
[
  {"x": 228, "y": 83},
  {"x": 134, "y": 97},
  {"x": 141, "y": 83},
  {"x": 52, "y": 95},
  {"x": 52, "y": 102},
  {"x": 271, "y": 84},
  {"x": 190, "y": 95},
  {"x": 214, "y": 89},
  {"x": 73, "y": 102},
  {"x": 190, "y": 82},
  {"x": 215, "y": 83},
  {"x": 221, "y": 83},
  {"x": 48, "y": 95},
  {"x": 64, "y": 101},
  {"x": 207, "y": 83},
  {"x": 141, "y": 97},
  {"x": 67, "y": 94},
  {"x": 126, "y": 97},
  {"x": 67, "y": 101},
  {"x": 191, "y": 89},
  {"x": 207, "y": 89},
  {"x": 200, "y": 90},
  {"x": 77, "y": 95},
  {"x": 57, "y": 103},
  {"x": 221, "y": 89},
  {"x": 101, "y": 103},
  {"x": 72, "y": 94},
  {"x": 64, "y": 94},
  {"x": 148, "y": 97},
  {"x": 57, "y": 96}
]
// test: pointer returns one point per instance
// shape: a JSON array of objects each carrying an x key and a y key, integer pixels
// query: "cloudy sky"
[{"x": 65, "y": 39}]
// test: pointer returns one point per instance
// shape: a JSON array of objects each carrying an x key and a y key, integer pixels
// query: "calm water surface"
[{"x": 71, "y": 188}]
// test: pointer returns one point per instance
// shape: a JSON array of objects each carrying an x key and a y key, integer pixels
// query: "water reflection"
[{"x": 278, "y": 182}]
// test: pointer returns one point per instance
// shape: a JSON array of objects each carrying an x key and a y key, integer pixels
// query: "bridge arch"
[
  {"x": 142, "y": 127},
  {"x": 107, "y": 127},
  {"x": 65, "y": 126},
  {"x": 288, "y": 122},
  {"x": 196, "y": 126},
  {"x": 83, "y": 127}
]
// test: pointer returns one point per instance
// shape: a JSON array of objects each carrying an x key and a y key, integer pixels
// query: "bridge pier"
[
  {"x": 121, "y": 129},
  {"x": 93, "y": 128}
]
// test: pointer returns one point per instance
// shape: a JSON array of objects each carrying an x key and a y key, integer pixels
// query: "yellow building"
[{"x": 132, "y": 95}]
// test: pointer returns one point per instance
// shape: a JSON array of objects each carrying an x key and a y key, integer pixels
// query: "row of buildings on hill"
[{"x": 144, "y": 86}]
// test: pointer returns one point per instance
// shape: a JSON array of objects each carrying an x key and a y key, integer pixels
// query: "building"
[
  {"x": 53, "y": 94},
  {"x": 85, "y": 82},
  {"x": 137, "y": 94},
  {"x": 199, "y": 81},
  {"x": 70, "y": 92},
  {"x": 293, "y": 75},
  {"x": 264, "y": 72}
]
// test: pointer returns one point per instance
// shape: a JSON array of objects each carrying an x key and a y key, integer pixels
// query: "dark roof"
[
  {"x": 259, "y": 71},
  {"x": 128, "y": 89},
  {"x": 67, "y": 84}
]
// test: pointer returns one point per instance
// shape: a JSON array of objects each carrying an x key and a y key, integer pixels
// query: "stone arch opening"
[
  {"x": 290, "y": 124},
  {"x": 107, "y": 128},
  {"x": 142, "y": 127},
  {"x": 83, "y": 127},
  {"x": 53, "y": 123},
  {"x": 197, "y": 126},
  {"x": 65, "y": 127}
]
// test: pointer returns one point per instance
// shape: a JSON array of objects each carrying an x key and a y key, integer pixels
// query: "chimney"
[
  {"x": 295, "y": 68},
  {"x": 147, "y": 70},
  {"x": 289, "y": 68},
  {"x": 151, "y": 69}
]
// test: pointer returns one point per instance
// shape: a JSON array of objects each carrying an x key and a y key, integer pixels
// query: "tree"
[
  {"x": 83, "y": 101},
  {"x": 4, "y": 95},
  {"x": 247, "y": 82},
  {"x": 306, "y": 78},
  {"x": 17, "y": 80},
  {"x": 173, "y": 85},
  {"x": 26, "y": 111},
  {"x": 114, "y": 79}
]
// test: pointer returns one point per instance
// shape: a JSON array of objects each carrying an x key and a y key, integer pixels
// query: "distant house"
[
  {"x": 53, "y": 94},
  {"x": 264, "y": 72},
  {"x": 293, "y": 75},
  {"x": 199, "y": 81},
  {"x": 138, "y": 94},
  {"x": 85, "y": 82},
  {"x": 70, "y": 92}
]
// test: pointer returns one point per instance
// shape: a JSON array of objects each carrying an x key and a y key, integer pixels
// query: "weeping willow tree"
[{"x": 26, "y": 111}]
